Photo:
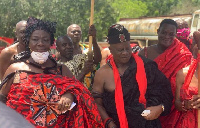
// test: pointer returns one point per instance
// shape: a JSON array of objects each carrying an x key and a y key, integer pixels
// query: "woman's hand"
[
  {"x": 155, "y": 112},
  {"x": 65, "y": 102}
]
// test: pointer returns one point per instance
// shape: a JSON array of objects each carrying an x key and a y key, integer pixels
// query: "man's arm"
[
  {"x": 66, "y": 71},
  {"x": 179, "y": 82},
  {"x": 5, "y": 58},
  {"x": 158, "y": 93},
  {"x": 88, "y": 67},
  {"x": 96, "y": 49},
  {"x": 141, "y": 53},
  {"x": 105, "y": 53},
  {"x": 97, "y": 91},
  {"x": 6, "y": 87}
]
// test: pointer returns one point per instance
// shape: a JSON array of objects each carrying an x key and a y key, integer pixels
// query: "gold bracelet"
[{"x": 163, "y": 107}]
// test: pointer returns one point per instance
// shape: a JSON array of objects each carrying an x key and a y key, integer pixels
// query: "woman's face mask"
[
  {"x": 40, "y": 57},
  {"x": 183, "y": 33}
]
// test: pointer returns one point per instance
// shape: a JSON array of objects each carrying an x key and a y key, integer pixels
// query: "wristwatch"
[{"x": 163, "y": 107}]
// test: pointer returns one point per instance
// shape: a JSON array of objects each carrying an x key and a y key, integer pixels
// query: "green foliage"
[
  {"x": 64, "y": 12},
  {"x": 129, "y": 8},
  {"x": 159, "y": 7}
]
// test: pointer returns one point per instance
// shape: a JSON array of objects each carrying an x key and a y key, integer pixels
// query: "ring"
[{"x": 67, "y": 105}]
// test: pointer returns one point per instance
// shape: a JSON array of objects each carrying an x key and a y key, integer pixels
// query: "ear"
[
  {"x": 110, "y": 48},
  {"x": 158, "y": 30},
  {"x": 16, "y": 34},
  {"x": 57, "y": 49}
]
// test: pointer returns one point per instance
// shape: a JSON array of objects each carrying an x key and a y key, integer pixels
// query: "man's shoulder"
[
  {"x": 105, "y": 69},
  {"x": 10, "y": 50},
  {"x": 147, "y": 61}
]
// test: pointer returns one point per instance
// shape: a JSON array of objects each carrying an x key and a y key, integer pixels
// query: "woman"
[{"x": 43, "y": 91}]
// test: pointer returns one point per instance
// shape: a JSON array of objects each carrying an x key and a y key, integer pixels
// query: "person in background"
[
  {"x": 183, "y": 33},
  {"x": 65, "y": 47},
  {"x": 75, "y": 33},
  {"x": 7, "y": 54}
]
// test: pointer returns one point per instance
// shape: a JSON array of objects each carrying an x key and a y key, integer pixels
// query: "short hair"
[
  {"x": 168, "y": 21},
  {"x": 70, "y": 26},
  {"x": 61, "y": 37}
]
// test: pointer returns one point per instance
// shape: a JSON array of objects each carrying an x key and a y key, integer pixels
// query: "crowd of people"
[{"x": 117, "y": 87}]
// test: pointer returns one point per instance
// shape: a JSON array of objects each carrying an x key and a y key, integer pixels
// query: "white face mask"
[{"x": 40, "y": 57}]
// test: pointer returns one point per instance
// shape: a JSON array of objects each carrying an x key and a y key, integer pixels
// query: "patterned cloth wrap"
[{"x": 36, "y": 97}]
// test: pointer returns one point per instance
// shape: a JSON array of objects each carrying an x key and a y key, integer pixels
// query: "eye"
[
  {"x": 172, "y": 34},
  {"x": 64, "y": 45},
  {"x": 46, "y": 40},
  {"x": 35, "y": 39}
]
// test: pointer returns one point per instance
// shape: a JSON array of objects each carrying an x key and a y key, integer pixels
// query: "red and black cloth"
[
  {"x": 31, "y": 87},
  {"x": 141, "y": 85}
]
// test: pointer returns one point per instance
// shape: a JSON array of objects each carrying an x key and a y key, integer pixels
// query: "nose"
[
  {"x": 124, "y": 52},
  {"x": 40, "y": 42}
]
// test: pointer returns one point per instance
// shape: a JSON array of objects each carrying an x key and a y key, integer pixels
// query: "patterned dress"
[{"x": 35, "y": 96}]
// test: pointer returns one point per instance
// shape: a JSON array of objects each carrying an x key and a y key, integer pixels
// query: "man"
[
  {"x": 127, "y": 83},
  {"x": 74, "y": 32},
  {"x": 171, "y": 55},
  {"x": 7, "y": 54},
  {"x": 64, "y": 46}
]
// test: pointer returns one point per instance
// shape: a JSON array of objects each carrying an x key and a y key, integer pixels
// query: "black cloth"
[{"x": 158, "y": 92}]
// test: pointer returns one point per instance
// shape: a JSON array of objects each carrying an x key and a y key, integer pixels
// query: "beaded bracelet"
[{"x": 107, "y": 121}]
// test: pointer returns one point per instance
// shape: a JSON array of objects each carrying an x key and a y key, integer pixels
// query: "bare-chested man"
[{"x": 6, "y": 56}]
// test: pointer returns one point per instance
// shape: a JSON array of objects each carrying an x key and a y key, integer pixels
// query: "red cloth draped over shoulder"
[
  {"x": 142, "y": 84},
  {"x": 85, "y": 113},
  {"x": 176, "y": 57},
  {"x": 188, "y": 119}
]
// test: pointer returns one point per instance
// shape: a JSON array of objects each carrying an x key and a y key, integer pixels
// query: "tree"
[
  {"x": 159, "y": 7},
  {"x": 64, "y": 12}
]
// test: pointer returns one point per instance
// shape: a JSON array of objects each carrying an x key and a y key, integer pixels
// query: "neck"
[
  {"x": 160, "y": 48},
  {"x": 122, "y": 65},
  {"x": 20, "y": 47},
  {"x": 76, "y": 46},
  {"x": 64, "y": 59}
]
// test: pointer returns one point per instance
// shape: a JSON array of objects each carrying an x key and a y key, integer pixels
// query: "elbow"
[{"x": 97, "y": 59}]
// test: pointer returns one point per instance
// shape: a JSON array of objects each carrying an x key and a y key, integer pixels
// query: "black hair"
[
  {"x": 61, "y": 37},
  {"x": 168, "y": 21}
]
